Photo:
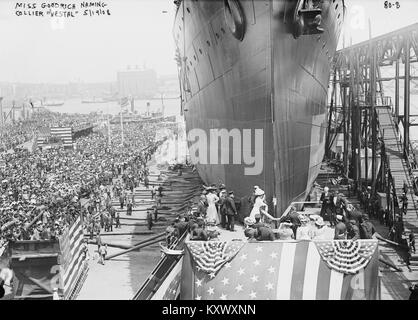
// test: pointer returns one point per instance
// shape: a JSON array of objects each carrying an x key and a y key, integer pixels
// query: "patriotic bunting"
[
  {"x": 282, "y": 270},
  {"x": 210, "y": 256},
  {"x": 346, "y": 256}
]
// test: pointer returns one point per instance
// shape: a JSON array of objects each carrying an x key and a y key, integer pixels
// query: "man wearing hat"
[
  {"x": 366, "y": 228},
  {"x": 198, "y": 232},
  {"x": 340, "y": 229},
  {"x": 250, "y": 232},
  {"x": 286, "y": 231},
  {"x": 265, "y": 233},
  {"x": 326, "y": 202},
  {"x": 202, "y": 206},
  {"x": 353, "y": 232},
  {"x": 292, "y": 217},
  {"x": 230, "y": 210},
  {"x": 404, "y": 200},
  {"x": 354, "y": 214},
  {"x": 321, "y": 231}
]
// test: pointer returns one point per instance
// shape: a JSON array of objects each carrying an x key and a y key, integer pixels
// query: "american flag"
[
  {"x": 173, "y": 288},
  {"x": 124, "y": 102},
  {"x": 278, "y": 271}
]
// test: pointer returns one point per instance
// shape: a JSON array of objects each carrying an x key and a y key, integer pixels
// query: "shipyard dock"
[{"x": 124, "y": 273}]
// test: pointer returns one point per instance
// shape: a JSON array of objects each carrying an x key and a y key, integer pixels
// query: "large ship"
[{"x": 258, "y": 65}]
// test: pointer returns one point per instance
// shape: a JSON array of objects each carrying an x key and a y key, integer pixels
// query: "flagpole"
[
  {"x": 121, "y": 123},
  {"x": 108, "y": 129}
]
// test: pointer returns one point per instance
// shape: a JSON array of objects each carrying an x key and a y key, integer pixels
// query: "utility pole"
[
  {"x": 373, "y": 111},
  {"x": 108, "y": 130},
  {"x": 1, "y": 113},
  {"x": 406, "y": 96},
  {"x": 121, "y": 123}
]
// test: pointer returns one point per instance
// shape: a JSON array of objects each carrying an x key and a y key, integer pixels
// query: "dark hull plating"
[{"x": 269, "y": 81}]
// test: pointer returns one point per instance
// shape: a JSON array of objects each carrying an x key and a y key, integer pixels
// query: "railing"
[
  {"x": 155, "y": 279},
  {"x": 408, "y": 175}
]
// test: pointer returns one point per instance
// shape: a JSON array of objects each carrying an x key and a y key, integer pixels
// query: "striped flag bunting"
[
  {"x": 72, "y": 256},
  {"x": 346, "y": 256},
  {"x": 124, "y": 102},
  {"x": 285, "y": 270},
  {"x": 170, "y": 288},
  {"x": 64, "y": 133},
  {"x": 210, "y": 256}
]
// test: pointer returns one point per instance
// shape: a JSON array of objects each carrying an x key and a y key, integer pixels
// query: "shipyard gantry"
[{"x": 369, "y": 123}]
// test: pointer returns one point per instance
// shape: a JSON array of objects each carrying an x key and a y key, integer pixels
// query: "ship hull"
[{"x": 269, "y": 81}]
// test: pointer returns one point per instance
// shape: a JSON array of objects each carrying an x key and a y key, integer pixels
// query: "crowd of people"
[
  {"x": 15, "y": 133},
  {"x": 218, "y": 208},
  {"x": 41, "y": 191}
]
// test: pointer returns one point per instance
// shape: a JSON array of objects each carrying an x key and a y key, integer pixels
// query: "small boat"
[
  {"x": 53, "y": 103},
  {"x": 93, "y": 100}
]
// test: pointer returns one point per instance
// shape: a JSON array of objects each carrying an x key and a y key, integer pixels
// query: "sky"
[
  {"x": 92, "y": 49},
  {"x": 138, "y": 32},
  {"x": 382, "y": 20}
]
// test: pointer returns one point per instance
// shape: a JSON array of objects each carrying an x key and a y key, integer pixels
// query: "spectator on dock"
[
  {"x": 129, "y": 208},
  {"x": 230, "y": 211},
  {"x": 404, "y": 200},
  {"x": 212, "y": 199},
  {"x": 326, "y": 201},
  {"x": 302, "y": 233},
  {"x": 414, "y": 292},
  {"x": 250, "y": 232},
  {"x": 321, "y": 231},
  {"x": 285, "y": 231},
  {"x": 149, "y": 220},
  {"x": 153, "y": 192},
  {"x": 367, "y": 229},
  {"x": 411, "y": 238},
  {"x": 155, "y": 212},
  {"x": 353, "y": 231},
  {"x": 252, "y": 197},
  {"x": 98, "y": 241},
  {"x": 122, "y": 199},
  {"x": 265, "y": 233},
  {"x": 260, "y": 206},
  {"x": 102, "y": 254},
  {"x": 146, "y": 182},
  {"x": 340, "y": 229},
  {"x": 202, "y": 206},
  {"x": 355, "y": 214}
]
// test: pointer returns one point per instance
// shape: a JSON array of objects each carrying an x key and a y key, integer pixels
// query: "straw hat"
[
  {"x": 320, "y": 221},
  {"x": 258, "y": 192},
  {"x": 314, "y": 217},
  {"x": 286, "y": 224},
  {"x": 249, "y": 221}
]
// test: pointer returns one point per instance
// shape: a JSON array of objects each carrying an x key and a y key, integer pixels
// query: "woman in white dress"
[
  {"x": 260, "y": 206},
  {"x": 212, "y": 213},
  {"x": 303, "y": 232}
]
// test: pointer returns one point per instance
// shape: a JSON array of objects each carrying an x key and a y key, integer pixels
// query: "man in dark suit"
[
  {"x": 223, "y": 208},
  {"x": 325, "y": 199},
  {"x": 202, "y": 206},
  {"x": 293, "y": 218},
  {"x": 231, "y": 211}
]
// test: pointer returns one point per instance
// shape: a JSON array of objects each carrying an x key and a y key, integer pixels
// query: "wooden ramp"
[
  {"x": 398, "y": 165},
  {"x": 121, "y": 277}
]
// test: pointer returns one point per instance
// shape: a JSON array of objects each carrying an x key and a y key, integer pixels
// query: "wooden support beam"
[{"x": 132, "y": 249}]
